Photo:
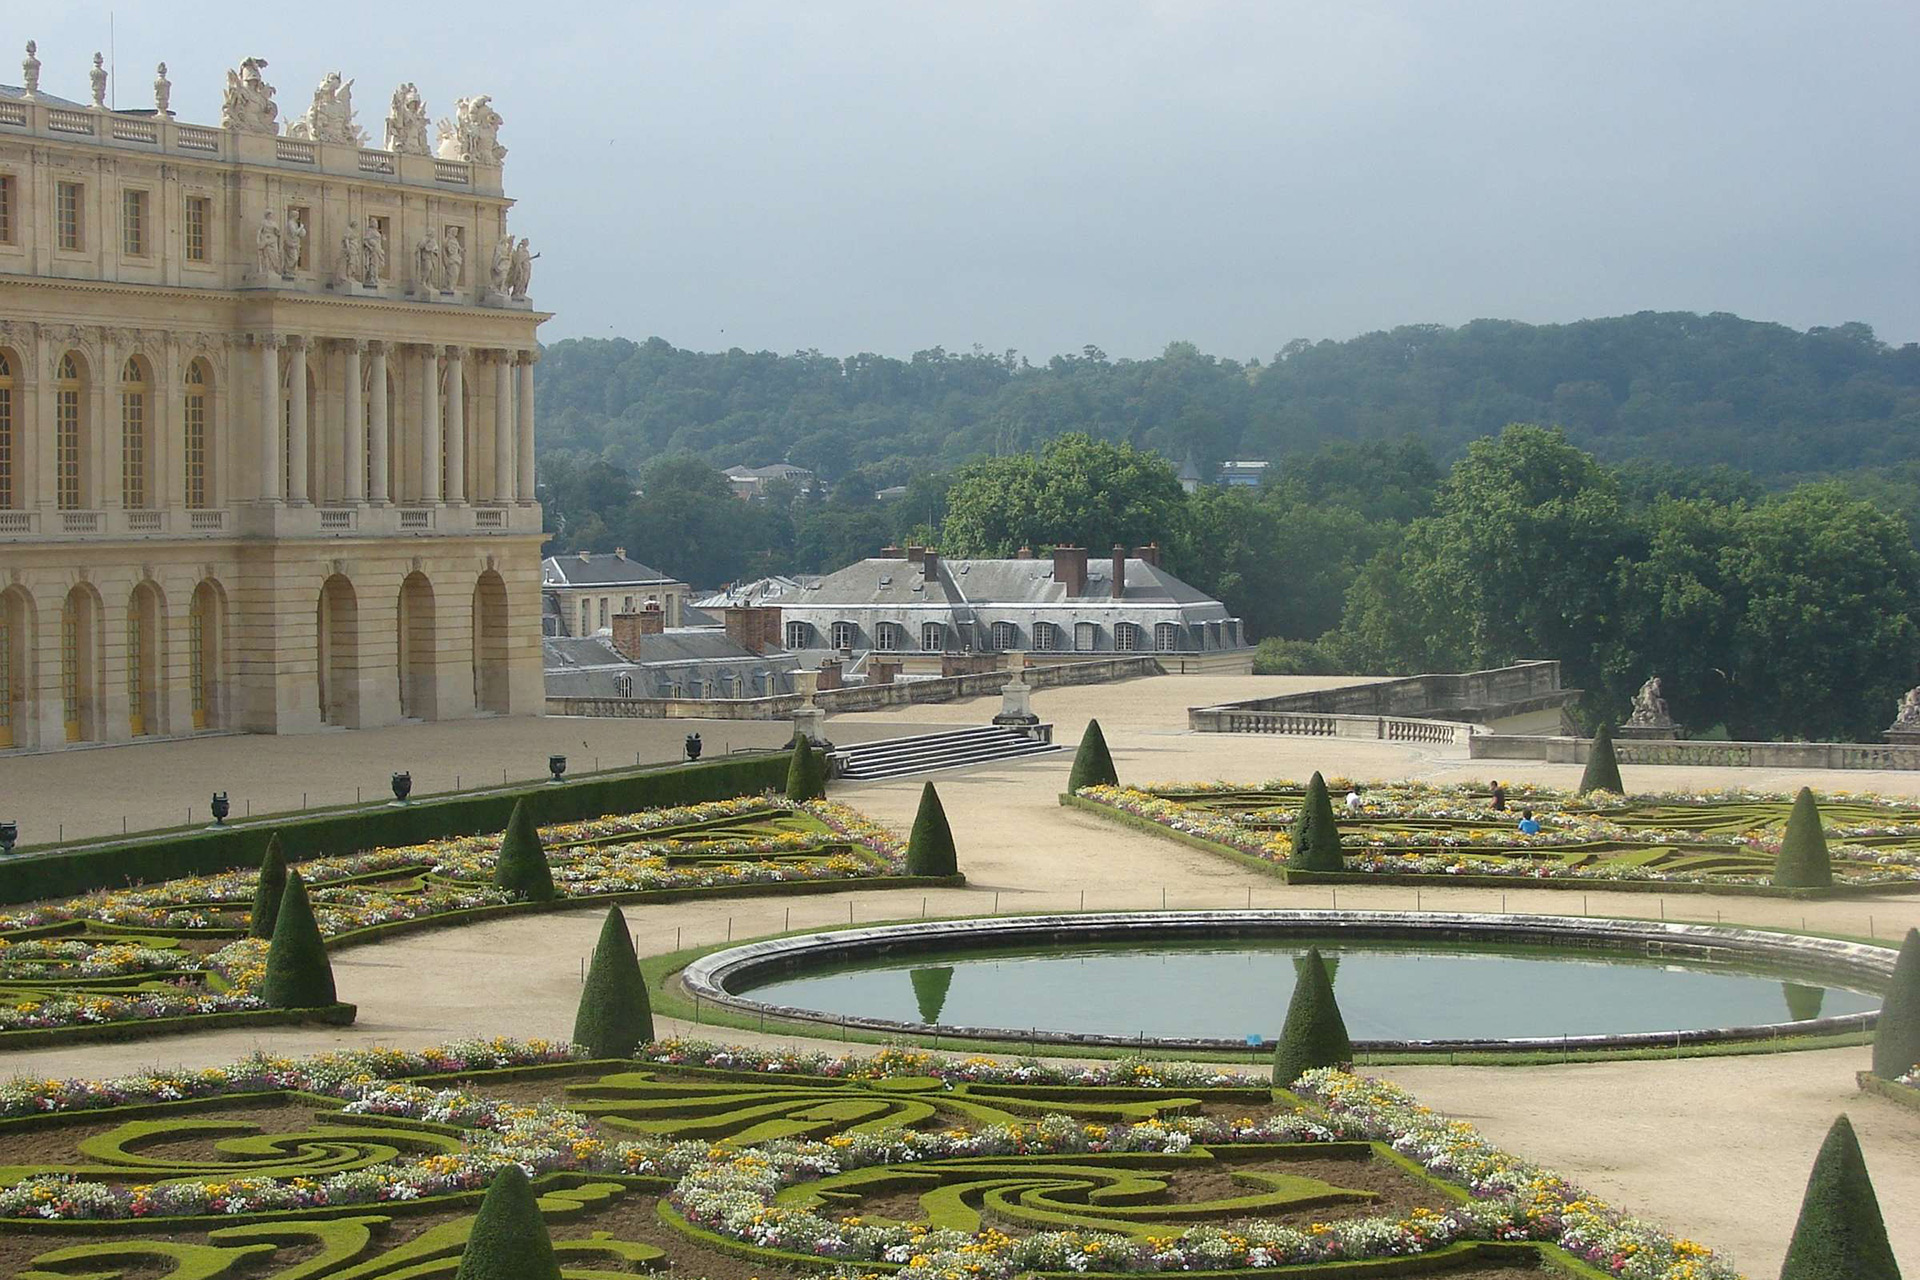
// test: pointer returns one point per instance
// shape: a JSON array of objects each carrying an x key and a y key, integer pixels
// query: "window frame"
[
  {"x": 69, "y": 222},
  {"x": 845, "y": 635},
  {"x": 136, "y": 431},
  {"x": 195, "y": 220},
  {"x": 196, "y": 436},
  {"x": 888, "y": 637},
  {"x": 136, "y": 222},
  {"x": 1089, "y": 629},
  {"x": 9, "y": 209}
]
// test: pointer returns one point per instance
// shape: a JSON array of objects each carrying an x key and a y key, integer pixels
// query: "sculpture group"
[{"x": 472, "y": 135}]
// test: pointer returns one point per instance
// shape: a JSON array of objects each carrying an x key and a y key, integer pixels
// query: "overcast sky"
[{"x": 891, "y": 176}]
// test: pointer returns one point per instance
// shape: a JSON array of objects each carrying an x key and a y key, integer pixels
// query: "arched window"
[
  {"x": 799, "y": 634},
  {"x": 69, "y": 432},
  {"x": 8, "y": 495},
  {"x": 844, "y": 635},
  {"x": 196, "y": 422},
  {"x": 933, "y": 636},
  {"x": 1005, "y": 636},
  {"x": 1046, "y": 637},
  {"x": 133, "y": 434},
  {"x": 1086, "y": 637},
  {"x": 1126, "y": 637},
  {"x": 1166, "y": 636},
  {"x": 888, "y": 637}
]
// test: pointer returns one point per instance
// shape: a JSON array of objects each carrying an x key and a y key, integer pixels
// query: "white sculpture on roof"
[
  {"x": 407, "y": 122},
  {"x": 474, "y": 133},
  {"x": 330, "y": 118},
  {"x": 249, "y": 106}
]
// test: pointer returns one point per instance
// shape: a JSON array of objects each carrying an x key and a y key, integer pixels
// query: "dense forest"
[{"x": 1731, "y": 504}]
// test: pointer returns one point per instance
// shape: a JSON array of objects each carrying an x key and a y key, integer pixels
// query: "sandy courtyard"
[{"x": 1714, "y": 1148}]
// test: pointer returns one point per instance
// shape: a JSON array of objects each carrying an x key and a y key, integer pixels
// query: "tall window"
[
  {"x": 605, "y": 602},
  {"x": 1086, "y": 636},
  {"x": 887, "y": 637},
  {"x": 133, "y": 224},
  {"x": 133, "y": 436},
  {"x": 1166, "y": 636},
  {"x": 197, "y": 659},
  {"x": 6, "y": 680},
  {"x": 933, "y": 636},
  {"x": 199, "y": 208},
  {"x": 136, "y": 694},
  {"x": 586, "y": 617},
  {"x": 6, "y": 433},
  {"x": 1005, "y": 636},
  {"x": 68, "y": 392},
  {"x": 844, "y": 635},
  {"x": 798, "y": 633},
  {"x": 1126, "y": 637},
  {"x": 7, "y": 196},
  {"x": 70, "y": 669},
  {"x": 194, "y": 420},
  {"x": 1046, "y": 637},
  {"x": 66, "y": 216}
]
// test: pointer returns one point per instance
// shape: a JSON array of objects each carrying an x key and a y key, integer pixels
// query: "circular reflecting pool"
[{"x": 1233, "y": 990}]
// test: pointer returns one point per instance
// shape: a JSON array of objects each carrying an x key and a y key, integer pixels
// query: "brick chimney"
[
  {"x": 1149, "y": 554},
  {"x": 930, "y": 564},
  {"x": 745, "y": 628},
  {"x": 882, "y": 670},
  {"x": 652, "y": 621},
  {"x": 771, "y": 634},
  {"x": 1119, "y": 584},
  {"x": 1024, "y": 553},
  {"x": 891, "y": 551},
  {"x": 628, "y": 628},
  {"x": 1070, "y": 569},
  {"x": 829, "y": 674},
  {"x": 915, "y": 553}
]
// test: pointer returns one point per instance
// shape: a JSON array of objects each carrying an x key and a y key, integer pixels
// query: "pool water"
[{"x": 1241, "y": 989}]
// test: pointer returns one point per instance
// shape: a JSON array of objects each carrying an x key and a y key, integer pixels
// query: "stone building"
[
  {"x": 586, "y": 590},
  {"x": 926, "y": 611},
  {"x": 266, "y": 418}
]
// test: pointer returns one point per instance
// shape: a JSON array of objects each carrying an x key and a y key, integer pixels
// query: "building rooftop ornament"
[
  {"x": 330, "y": 118},
  {"x": 474, "y": 133},
  {"x": 99, "y": 77},
  {"x": 249, "y": 106},
  {"x": 407, "y": 123},
  {"x": 30, "y": 71},
  {"x": 162, "y": 91}
]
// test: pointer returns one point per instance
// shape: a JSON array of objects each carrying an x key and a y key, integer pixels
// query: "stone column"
[
  {"x": 268, "y": 345},
  {"x": 353, "y": 426},
  {"x": 523, "y": 471},
  {"x": 429, "y": 423},
  {"x": 504, "y": 445},
  {"x": 297, "y": 420},
  {"x": 456, "y": 427},
  {"x": 377, "y": 428}
]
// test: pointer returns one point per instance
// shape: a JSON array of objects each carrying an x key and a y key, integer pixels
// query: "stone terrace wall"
[
  {"x": 1470, "y": 696},
  {"x": 1739, "y": 755}
]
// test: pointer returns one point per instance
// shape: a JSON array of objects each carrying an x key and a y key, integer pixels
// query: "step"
[{"x": 928, "y": 753}]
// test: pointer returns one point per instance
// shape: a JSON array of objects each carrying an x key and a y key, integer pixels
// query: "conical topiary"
[
  {"x": 521, "y": 869},
  {"x": 930, "y": 847},
  {"x": 268, "y": 892},
  {"x": 1092, "y": 763},
  {"x": 1896, "y": 1044},
  {"x": 298, "y": 973},
  {"x": 1840, "y": 1234},
  {"x": 806, "y": 772},
  {"x": 1803, "y": 862},
  {"x": 509, "y": 1240},
  {"x": 1316, "y": 836},
  {"x": 615, "y": 1015},
  {"x": 930, "y": 987},
  {"x": 1603, "y": 767},
  {"x": 1315, "y": 1034}
]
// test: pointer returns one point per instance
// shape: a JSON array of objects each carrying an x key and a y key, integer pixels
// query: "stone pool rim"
[{"x": 707, "y": 979}]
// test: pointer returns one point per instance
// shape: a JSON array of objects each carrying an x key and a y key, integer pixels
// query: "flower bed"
[
  {"x": 1424, "y": 831},
  {"x": 754, "y": 1196}
]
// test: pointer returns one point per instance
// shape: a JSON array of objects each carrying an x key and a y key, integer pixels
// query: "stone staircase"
[{"x": 927, "y": 753}]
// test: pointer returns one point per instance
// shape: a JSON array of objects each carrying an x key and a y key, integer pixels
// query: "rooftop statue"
[
  {"x": 249, "y": 106},
  {"x": 330, "y": 118},
  {"x": 407, "y": 122},
  {"x": 474, "y": 133}
]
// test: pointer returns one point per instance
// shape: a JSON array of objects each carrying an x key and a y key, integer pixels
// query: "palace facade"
[{"x": 266, "y": 419}]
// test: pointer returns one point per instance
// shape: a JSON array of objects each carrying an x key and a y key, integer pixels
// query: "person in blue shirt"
[{"x": 1529, "y": 825}]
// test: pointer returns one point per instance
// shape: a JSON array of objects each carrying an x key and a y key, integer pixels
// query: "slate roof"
[
  {"x": 981, "y": 583},
  {"x": 46, "y": 99},
  {"x": 599, "y": 569},
  {"x": 587, "y": 667}
]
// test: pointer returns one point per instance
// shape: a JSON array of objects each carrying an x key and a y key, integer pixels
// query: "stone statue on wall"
[
  {"x": 30, "y": 71},
  {"x": 330, "y": 118},
  {"x": 453, "y": 258},
  {"x": 373, "y": 254},
  {"x": 99, "y": 77},
  {"x": 501, "y": 272},
  {"x": 1648, "y": 706},
  {"x": 429, "y": 262},
  {"x": 407, "y": 122},
  {"x": 270, "y": 246},
  {"x": 162, "y": 91},
  {"x": 249, "y": 106},
  {"x": 520, "y": 275},
  {"x": 474, "y": 133},
  {"x": 352, "y": 268},
  {"x": 293, "y": 234}
]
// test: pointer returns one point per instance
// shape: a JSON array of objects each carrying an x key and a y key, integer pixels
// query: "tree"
[
  {"x": 1079, "y": 492},
  {"x": 806, "y": 772},
  {"x": 1803, "y": 861},
  {"x": 615, "y": 1016},
  {"x": 521, "y": 868},
  {"x": 1840, "y": 1234},
  {"x": 1603, "y": 766},
  {"x": 930, "y": 849},
  {"x": 1092, "y": 763},
  {"x": 1316, "y": 836},
  {"x": 1315, "y": 1035},
  {"x": 299, "y": 975},
  {"x": 509, "y": 1240},
  {"x": 267, "y": 893},
  {"x": 1896, "y": 1041}
]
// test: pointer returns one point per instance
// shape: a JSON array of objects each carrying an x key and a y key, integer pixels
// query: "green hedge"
[
  {"x": 60, "y": 873},
  {"x": 141, "y": 1028}
]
